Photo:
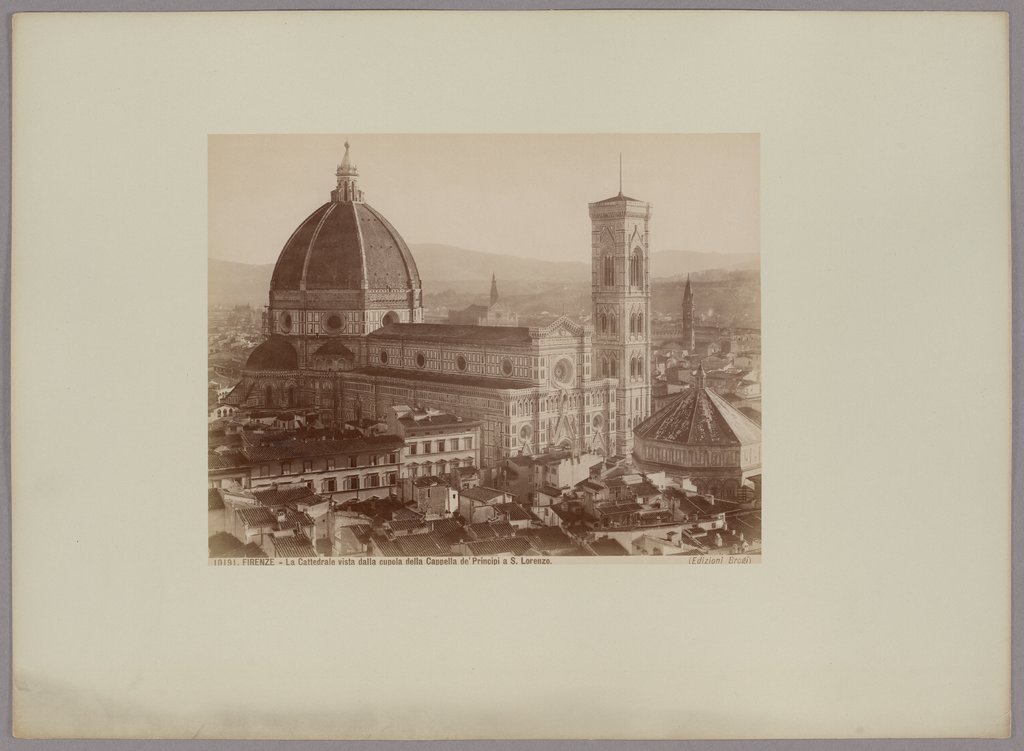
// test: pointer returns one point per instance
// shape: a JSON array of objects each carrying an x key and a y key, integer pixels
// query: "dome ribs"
[
  {"x": 291, "y": 263},
  {"x": 312, "y": 242}
]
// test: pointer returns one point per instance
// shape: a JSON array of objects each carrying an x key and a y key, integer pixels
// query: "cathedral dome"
[
  {"x": 345, "y": 245},
  {"x": 274, "y": 354}
]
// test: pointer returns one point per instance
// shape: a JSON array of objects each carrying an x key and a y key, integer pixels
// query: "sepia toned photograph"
[
  {"x": 476, "y": 294},
  {"x": 495, "y": 348}
]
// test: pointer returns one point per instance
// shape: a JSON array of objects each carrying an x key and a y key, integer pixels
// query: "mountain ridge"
[{"x": 233, "y": 282}]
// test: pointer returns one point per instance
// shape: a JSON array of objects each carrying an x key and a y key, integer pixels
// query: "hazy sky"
[{"x": 522, "y": 195}]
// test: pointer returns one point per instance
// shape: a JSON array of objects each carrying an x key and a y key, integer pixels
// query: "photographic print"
[
  {"x": 479, "y": 304},
  {"x": 484, "y": 349}
]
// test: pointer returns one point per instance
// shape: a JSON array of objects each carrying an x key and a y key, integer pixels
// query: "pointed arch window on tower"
[
  {"x": 613, "y": 324},
  {"x": 613, "y": 365},
  {"x": 609, "y": 271},
  {"x": 640, "y": 323},
  {"x": 636, "y": 269},
  {"x": 603, "y": 323}
]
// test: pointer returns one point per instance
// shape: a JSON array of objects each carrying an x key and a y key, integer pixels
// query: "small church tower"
[
  {"x": 689, "y": 338},
  {"x": 621, "y": 297}
]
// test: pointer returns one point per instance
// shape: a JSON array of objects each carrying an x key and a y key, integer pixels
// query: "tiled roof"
[
  {"x": 226, "y": 460},
  {"x": 293, "y": 546},
  {"x": 402, "y": 525},
  {"x": 260, "y": 449},
  {"x": 383, "y": 546},
  {"x": 282, "y": 495},
  {"x": 645, "y": 489},
  {"x": 610, "y": 507},
  {"x": 699, "y": 417},
  {"x": 697, "y": 504},
  {"x": 513, "y": 545},
  {"x": 608, "y": 546},
  {"x": 547, "y": 538},
  {"x": 363, "y": 532},
  {"x": 503, "y": 529},
  {"x": 256, "y": 516},
  {"x": 490, "y": 530},
  {"x": 449, "y": 530},
  {"x": 482, "y": 531},
  {"x": 442, "y": 525},
  {"x": 293, "y": 518},
  {"x": 514, "y": 512},
  {"x": 453, "y": 379},
  {"x": 423, "y": 544},
  {"x": 481, "y": 493},
  {"x": 441, "y": 332},
  {"x": 403, "y": 513}
]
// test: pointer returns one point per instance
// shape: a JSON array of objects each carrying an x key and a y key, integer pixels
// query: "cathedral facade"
[{"x": 346, "y": 338}]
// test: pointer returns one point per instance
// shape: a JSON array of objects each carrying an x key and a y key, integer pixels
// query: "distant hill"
[
  {"x": 666, "y": 264},
  {"x": 446, "y": 267},
  {"x": 447, "y": 263},
  {"x": 233, "y": 283}
]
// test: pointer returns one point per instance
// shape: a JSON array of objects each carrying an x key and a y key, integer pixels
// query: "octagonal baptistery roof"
[
  {"x": 345, "y": 245},
  {"x": 699, "y": 417}
]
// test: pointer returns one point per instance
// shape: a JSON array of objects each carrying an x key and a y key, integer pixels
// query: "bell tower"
[
  {"x": 621, "y": 296},
  {"x": 689, "y": 341}
]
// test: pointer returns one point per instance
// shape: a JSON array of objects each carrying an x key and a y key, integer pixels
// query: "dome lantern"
[{"x": 348, "y": 177}]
